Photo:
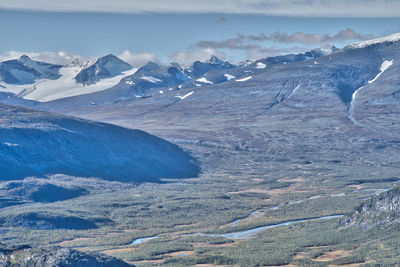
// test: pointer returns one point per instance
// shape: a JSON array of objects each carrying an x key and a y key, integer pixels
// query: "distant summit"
[
  {"x": 214, "y": 60},
  {"x": 105, "y": 67},
  {"x": 198, "y": 68},
  {"x": 25, "y": 71}
]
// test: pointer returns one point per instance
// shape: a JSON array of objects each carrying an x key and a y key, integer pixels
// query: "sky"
[{"x": 187, "y": 30}]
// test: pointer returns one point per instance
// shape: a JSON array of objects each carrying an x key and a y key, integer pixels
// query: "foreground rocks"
[
  {"x": 54, "y": 257},
  {"x": 382, "y": 210}
]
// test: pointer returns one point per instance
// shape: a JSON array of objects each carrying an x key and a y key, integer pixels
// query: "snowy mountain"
[
  {"x": 62, "y": 86},
  {"x": 386, "y": 39},
  {"x": 26, "y": 71},
  {"x": 105, "y": 67},
  {"x": 150, "y": 76},
  {"x": 357, "y": 86},
  {"x": 97, "y": 85},
  {"x": 151, "y": 79},
  {"x": 34, "y": 143},
  {"x": 45, "y": 82}
]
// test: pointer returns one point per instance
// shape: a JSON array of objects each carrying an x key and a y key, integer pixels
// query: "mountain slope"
[
  {"x": 36, "y": 144},
  {"x": 314, "y": 97}
]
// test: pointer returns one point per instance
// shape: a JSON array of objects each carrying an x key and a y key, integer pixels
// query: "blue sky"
[{"x": 180, "y": 35}]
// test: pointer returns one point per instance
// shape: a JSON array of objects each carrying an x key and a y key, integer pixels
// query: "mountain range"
[{"x": 113, "y": 79}]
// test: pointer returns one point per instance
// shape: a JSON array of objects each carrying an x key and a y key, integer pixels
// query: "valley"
[{"x": 256, "y": 170}]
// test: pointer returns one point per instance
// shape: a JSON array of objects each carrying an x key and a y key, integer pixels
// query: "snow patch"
[
  {"x": 204, "y": 80},
  {"x": 244, "y": 79},
  {"x": 185, "y": 96},
  {"x": 151, "y": 79},
  {"x": 295, "y": 89},
  {"x": 260, "y": 65},
  {"x": 10, "y": 144},
  {"x": 229, "y": 76}
]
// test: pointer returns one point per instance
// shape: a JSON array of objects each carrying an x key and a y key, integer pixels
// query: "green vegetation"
[{"x": 211, "y": 205}]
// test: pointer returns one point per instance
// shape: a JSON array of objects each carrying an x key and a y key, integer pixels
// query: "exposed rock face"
[
  {"x": 382, "y": 210},
  {"x": 55, "y": 257}
]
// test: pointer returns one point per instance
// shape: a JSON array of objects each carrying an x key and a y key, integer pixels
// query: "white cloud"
[
  {"x": 187, "y": 57},
  {"x": 302, "y": 8},
  {"x": 60, "y": 57},
  {"x": 258, "y": 53},
  {"x": 137, "y": 60}
]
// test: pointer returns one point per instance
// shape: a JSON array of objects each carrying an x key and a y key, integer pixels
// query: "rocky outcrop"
[
  {"x": 54, "y": 257},
  {"x": 381, "y": 210}
]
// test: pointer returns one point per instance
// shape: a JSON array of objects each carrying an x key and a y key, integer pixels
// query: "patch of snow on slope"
[
  {"x": 229, "y": 76},
  {"x": 151, "y": 79},
  {"x": 185, "y": 96},
  {"x": 295, "y": 89},
  {"x": 260, "y": 65},
  {"x": 385, "y": 65},
  {"x": 204, "y": 80},
  {"x": 244, "y": 79},
  {"x": 391, "y": 38},
  {"x": 10, "y": 144}
]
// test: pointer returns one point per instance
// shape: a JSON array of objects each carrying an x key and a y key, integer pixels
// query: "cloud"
[
  {"x": 251, "y": 44},
  {"x": 245, "y": 42},
  {"x": 137, "y": 60},
  {"x": 187, "y": 57},
  {"x": 294, "y": 8},
  {"x": 263, "y": 52},
  {"x": 317, "y": 39},
  {"x": 233, "y": 43},
  {"x": 60, "y": 57}
]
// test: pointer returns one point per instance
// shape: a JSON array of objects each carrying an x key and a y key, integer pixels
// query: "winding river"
[{"x": 241, "y": 235}]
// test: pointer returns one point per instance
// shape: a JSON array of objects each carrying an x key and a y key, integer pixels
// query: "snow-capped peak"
[
  {"x": 391, "y": 38},
  {"x": 25, "y": 59},
  {"x": 215, "y": 60}
]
